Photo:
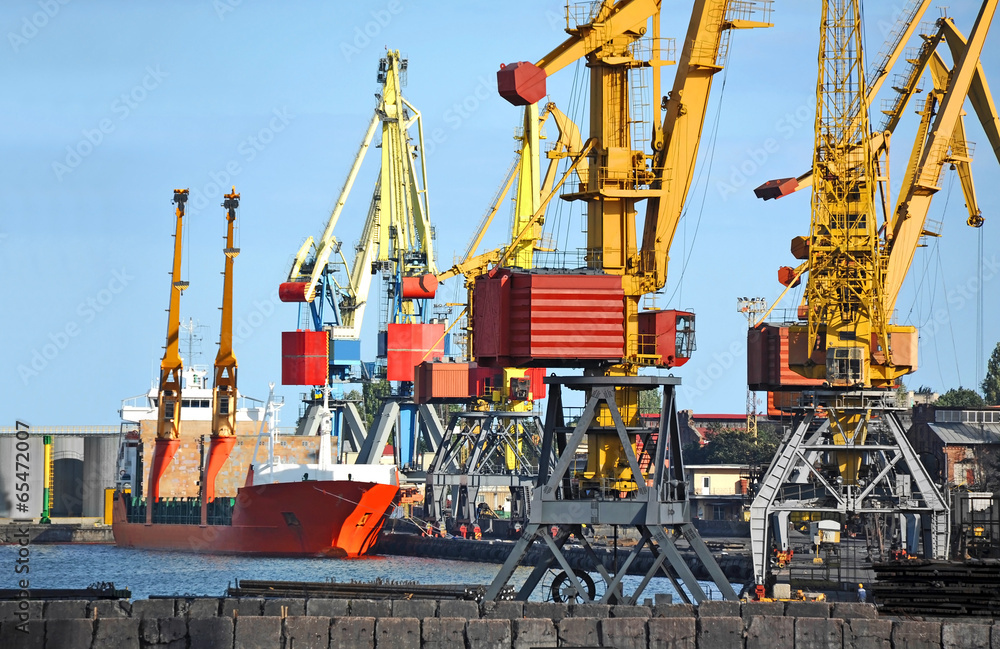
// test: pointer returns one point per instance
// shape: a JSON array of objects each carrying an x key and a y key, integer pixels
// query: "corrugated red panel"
[
  {"x": 566, "y": 317},
  {"x": 304, "y": 357},
  {"x": 436, "y": 382},
  {"x": 769, "y": 349},
  {"x": 490, "y": 304},
  {"x": 524, "y": 319},
  {"x": 410, "y": 344}
]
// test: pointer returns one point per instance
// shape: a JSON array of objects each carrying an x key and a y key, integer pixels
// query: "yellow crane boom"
[
  {"x": 171, "y": 366},
  {"x": 225, "y": 393}
]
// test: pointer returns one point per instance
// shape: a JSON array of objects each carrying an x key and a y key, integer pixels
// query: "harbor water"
[{"x": 155, "y": 573}]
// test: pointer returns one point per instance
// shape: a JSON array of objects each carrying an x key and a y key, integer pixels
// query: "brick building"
[{"x": 957, "y": 445}]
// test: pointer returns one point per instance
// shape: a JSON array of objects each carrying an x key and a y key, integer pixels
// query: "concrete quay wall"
[{"x": 249, "y": 623}]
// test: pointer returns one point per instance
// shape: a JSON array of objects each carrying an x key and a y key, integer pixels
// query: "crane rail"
[{"x": 377, "y": 589}]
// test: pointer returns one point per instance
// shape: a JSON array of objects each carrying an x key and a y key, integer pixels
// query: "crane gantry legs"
[{"x": 656, "y": 505}]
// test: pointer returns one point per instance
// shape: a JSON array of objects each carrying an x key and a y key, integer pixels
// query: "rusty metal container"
[
  {"x": 441, "y": 382},
  {"x": 770, "y": 348}
]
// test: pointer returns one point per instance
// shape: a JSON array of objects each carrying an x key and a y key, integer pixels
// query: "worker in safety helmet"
[{"x": 862, "y": 594}]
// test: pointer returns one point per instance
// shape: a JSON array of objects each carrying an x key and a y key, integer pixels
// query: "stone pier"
[{"x": 249, "y": 623}]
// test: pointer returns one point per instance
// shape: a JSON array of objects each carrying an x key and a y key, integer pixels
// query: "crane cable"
[
  {"x": 979, "y": 313},
  {"x": 702, "y": 171}
]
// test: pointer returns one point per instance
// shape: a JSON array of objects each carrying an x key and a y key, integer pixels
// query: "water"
[{"x": 154, "y": 572}]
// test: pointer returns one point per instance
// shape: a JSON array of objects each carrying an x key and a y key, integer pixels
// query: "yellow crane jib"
[
  {"x": 862, "y": 347},
  {"x": 225, "y": 394},
  {"x": 168, "y": 416},
  {"x": 396, "y": 240}
]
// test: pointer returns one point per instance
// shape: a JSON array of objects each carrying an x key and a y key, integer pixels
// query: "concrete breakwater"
[
  {"x": 737, "y": 567},
  {"x": 57, "y": 533},
  {"x": 250, "y": 623}
]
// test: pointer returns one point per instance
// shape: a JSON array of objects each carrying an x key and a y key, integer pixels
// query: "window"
[
  {"x": 967, "y": 416},
  {"x": 719, "y": 512}
]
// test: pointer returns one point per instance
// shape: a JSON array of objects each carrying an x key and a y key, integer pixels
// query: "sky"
[{"x": 108, "y": 106}]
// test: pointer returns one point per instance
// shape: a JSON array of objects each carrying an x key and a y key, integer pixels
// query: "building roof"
[{"x": 965, "y": 434}]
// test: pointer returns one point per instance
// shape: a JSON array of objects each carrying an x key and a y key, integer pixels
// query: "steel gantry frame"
[
  {"x": 484, "y": 449},
  {"x": 805, "y": 475},
  {"x": 659, "y": 509}
]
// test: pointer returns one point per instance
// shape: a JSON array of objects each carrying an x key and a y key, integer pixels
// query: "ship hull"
[{"x": 330, "y": 518}]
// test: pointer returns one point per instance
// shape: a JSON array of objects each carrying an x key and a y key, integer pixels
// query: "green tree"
[
  {"x": 372, "y": 394},
  {"x": 735, "y": 446},
  {"x": 991, "y": 384},
  {"x": 960, "y": 398},
  {"x": 650, "y": 401},
  {"x": 903, "y": 395}
]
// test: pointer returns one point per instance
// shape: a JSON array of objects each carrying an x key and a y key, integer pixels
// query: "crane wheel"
[{"x": 563, "y": 590}]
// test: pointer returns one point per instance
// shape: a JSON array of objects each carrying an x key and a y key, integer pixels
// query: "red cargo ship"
[
  {"x": 331, "y": 518},
  {"x": 284, "y": 509}
]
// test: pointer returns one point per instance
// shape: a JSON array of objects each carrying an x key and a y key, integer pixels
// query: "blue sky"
[{"x": 108, "y": 106}]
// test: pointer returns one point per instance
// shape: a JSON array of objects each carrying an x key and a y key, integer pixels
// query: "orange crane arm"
[
  {"x": 625, "y": 16},
  {"x": 224, "y": 394},
  {"x": 169, "y": 402},
  {"x": 224, "y": 397}
]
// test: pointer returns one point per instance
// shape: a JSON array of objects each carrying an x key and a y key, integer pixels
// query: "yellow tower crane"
[
  {"x": 854, "y": 265},
  {"x": 590, "y": 318}
]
